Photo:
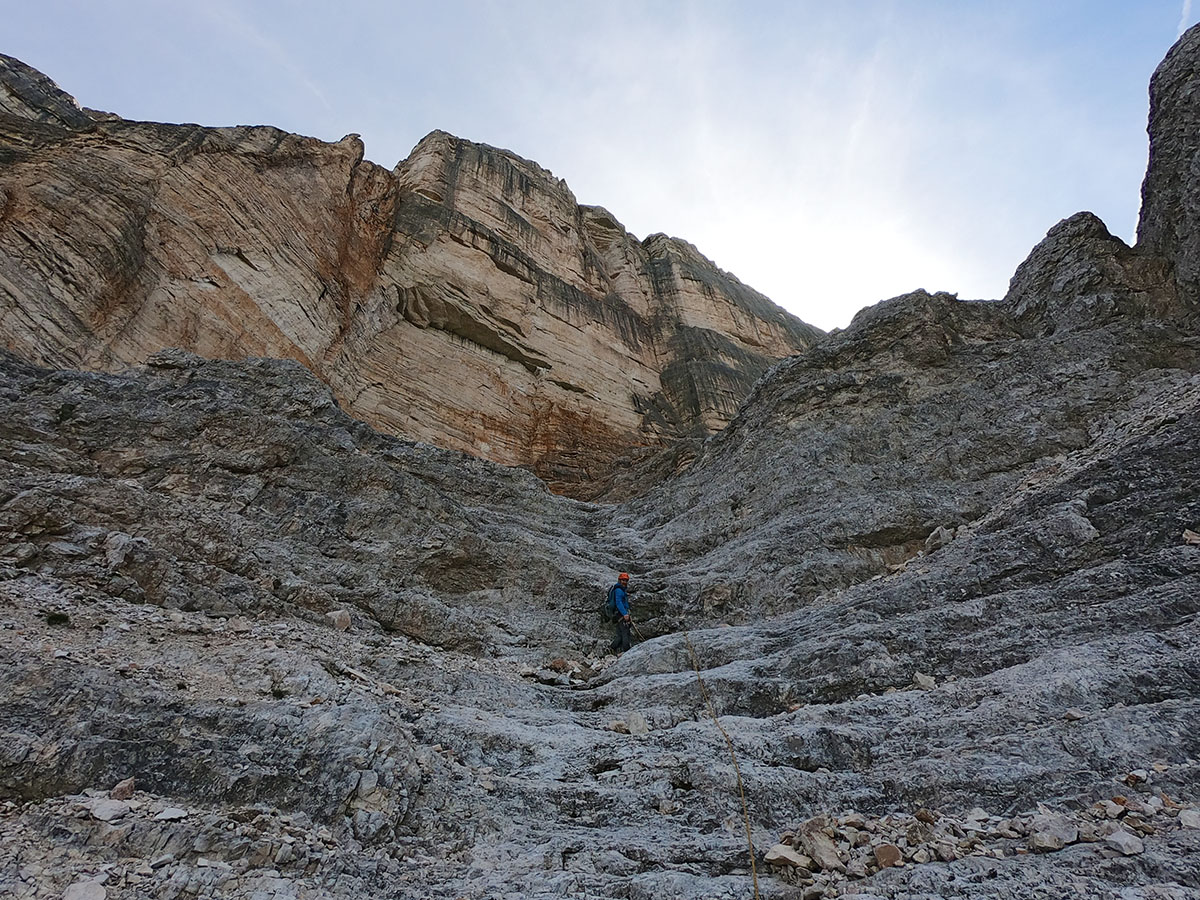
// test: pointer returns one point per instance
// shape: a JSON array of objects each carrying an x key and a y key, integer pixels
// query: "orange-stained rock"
[
  {"x": 464, "y": 299},
  {"x": 888, "y": 855}
]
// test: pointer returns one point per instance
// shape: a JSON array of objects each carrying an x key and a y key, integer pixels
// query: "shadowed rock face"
[
  {"x": 174, "y": 538},
  {"x": 885, "y": 439},
  {"x": 1170, "y": 215},
  {"x": 1080, "y": 276},
  {"x": 465, "y": 300},
  {"x": 947, "y": 546}
]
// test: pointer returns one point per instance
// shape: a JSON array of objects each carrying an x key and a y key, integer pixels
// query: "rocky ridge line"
[
  {"x": 968, "y": 593},
  {"x": 464, "y": 299}
]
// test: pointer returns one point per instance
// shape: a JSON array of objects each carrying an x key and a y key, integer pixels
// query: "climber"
[{"x": 619, "y": 600}]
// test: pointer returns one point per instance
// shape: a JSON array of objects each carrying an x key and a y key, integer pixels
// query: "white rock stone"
[
  {"x": 924, "y": 682},
  {"x": 109, "y": 810},
  {"x": 783, "y": 855},
  {"x": 171, "y": 814},
  {"x": 339, "y": 619},
  {"x": 938, "y": 538},
  {"x": 368, "y": 783},
  {"x": 1189, "y": 818},
  {"x": 85, "y": 890},
  {"x": 1125, "y": 843},
  {"x": 822, "y": 850},
  {"x": 637, "y": 723},
  {"x": 1052, "y": 832}
]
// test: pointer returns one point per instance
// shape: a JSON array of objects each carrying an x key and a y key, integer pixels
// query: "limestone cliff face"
[
  {"x": 253, "y": 647},
  {"x": 1169, "y": 223},
  {"x": 464, "y": 299},
  {"x": 1080, "y": 276}
]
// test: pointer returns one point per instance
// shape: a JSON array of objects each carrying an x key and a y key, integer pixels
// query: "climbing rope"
[{"x": 737, "y": 770}]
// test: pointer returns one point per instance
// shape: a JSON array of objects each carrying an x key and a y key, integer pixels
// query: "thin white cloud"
[
  {"x": 1184, "y": 17},
  {"x": 225, "y": 16}
]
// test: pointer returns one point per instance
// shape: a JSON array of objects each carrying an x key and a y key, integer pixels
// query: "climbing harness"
[{"x": 737, "y": 770}]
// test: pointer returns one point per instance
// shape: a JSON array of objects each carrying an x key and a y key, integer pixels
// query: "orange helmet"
[{"x": 624, "y": 576}]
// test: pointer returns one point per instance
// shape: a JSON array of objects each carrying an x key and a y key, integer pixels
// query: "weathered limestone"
[
  {"x": 1169, "y": 224},
  {"x": 465, "y": 299},
  {"x": 1006, "y": 710},
  {"x": 1080, "y": 276}
]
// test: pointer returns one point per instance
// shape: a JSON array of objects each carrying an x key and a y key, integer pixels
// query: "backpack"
[{"x": 610, "y": 604}]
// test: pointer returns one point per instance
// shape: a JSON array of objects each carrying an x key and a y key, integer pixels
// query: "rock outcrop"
[
  {"x": 1169, "y": 224},
  {"x": 939, "y": 577},
  {"x": 174, "y": 540},
  {"x": 890, "y": 437},
  {"x": 465, "y": 300},
  {"x": 1081, "y": 276}
]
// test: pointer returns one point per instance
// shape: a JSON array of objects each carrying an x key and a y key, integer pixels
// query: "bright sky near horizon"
[{"x": 828, "y": 154}]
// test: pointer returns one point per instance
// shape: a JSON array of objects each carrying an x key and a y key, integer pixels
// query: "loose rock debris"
[{"x": 834, "y": 851}]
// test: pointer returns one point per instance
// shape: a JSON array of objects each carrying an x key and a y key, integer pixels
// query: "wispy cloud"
[
  {"x": 232, "y": 21},
  {"x": 1184, "y": 16}
]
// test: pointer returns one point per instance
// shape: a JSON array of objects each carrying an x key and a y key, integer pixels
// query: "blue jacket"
[{"x": 621, "y": 599}]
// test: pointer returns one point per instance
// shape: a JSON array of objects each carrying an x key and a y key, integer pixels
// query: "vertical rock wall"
[
  {"x": 1169, "y": 224},
  {"x": 465, "y": 299}
]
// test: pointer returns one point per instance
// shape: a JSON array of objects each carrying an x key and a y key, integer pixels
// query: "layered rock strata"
[
  {"x": 959, "y": 632},
  {"x": 174, "y": 541},
  {"x": 1169, "y": 224},
  {"x": 464, "y": 299}
]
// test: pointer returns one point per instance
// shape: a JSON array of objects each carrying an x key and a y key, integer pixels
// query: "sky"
[{"x": 829, "y": 154}]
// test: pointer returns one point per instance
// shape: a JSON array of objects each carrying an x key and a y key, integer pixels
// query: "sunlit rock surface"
[
  {"x": 465, "y": 300},
  {"x": 935, "y": 575}
]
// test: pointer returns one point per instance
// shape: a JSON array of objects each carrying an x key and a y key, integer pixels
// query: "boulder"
[
  {"x": 637, "y": 723},
  {"x": 938, "y": 538},
  {"x": 817, "y": 845},
  {"x": 123, "y": 790},
  {"x": 1125, "y": 842},
  {"x": 109, "y": 810},
  {"x": 1049, "y": 833},
  {"x": 784, "y": 855},
  {"x": 85, "y": 890},
  {"x": 888, "y": 855}
]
